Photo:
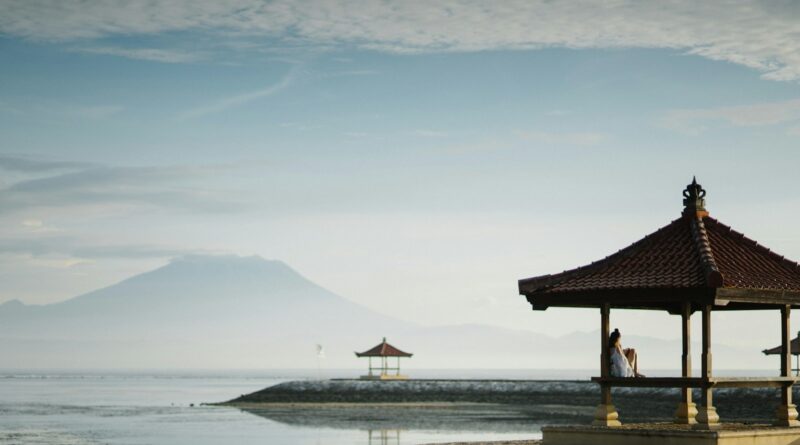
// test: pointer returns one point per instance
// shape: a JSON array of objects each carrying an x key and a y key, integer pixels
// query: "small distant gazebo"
[
  {"x": 693, "y": 264},
  {"x": 777, "y": 350},
  {"x": 384, "y": 351}
]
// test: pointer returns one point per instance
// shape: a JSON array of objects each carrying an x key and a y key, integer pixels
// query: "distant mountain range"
[{"x": 248, "y": 312}]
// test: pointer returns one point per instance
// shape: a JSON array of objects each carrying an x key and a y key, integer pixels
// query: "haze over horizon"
[{"x": 417, "y": 158}]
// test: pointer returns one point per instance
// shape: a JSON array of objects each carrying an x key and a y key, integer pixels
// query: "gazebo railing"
[
  {"x": 696, "y": 382},
  {"x": 703, "y": 416}
]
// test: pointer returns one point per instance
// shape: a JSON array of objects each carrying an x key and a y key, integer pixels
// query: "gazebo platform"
[
  {"x": 670, "y": 434},
  {"x": 384, "y": 377}
]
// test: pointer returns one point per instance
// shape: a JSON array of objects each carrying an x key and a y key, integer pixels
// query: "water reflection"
[
  {"x": 390, "y": 420},
  {"x": 383, "y": 437}
]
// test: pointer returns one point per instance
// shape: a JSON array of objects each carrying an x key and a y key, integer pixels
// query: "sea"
[{"x": 83, "y": 407}]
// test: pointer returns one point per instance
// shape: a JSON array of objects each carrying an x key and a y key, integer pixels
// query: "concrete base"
[
  {"x": 707, "y": 418},
  {"x": 787, "y": 416},
  {"x": 686, "y": 413},
  {"x": 384, "y": 377},
  {"x": 670, "y": 434},
  {"x": 606, "y": 415}
]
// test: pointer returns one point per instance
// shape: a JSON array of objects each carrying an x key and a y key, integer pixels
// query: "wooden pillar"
[
  {"x": 707, "y": 417},
  {"x": 605, "y": 414},
  {"x": 687, "y": 411},
  {"x": 787, "y": 411}
]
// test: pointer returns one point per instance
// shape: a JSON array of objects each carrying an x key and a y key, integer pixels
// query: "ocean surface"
[{"x": 165, "y": 407}]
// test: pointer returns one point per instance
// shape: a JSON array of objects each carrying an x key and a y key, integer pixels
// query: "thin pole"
[
  {"x": 707, "y": 417},
  {"x": 686, "y": 358},
  {"x": 605, "y": 359},
  {"x": 706, "y": 352},
  {"x": 786, "y": 353}
]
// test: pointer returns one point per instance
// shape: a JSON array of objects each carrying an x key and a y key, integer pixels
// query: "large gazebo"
[{"x": 693, "y": 264}]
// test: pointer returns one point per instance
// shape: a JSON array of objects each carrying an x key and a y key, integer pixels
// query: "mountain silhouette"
[{"x": 248, "y": 312}]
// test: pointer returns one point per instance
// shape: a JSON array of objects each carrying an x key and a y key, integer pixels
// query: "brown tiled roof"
[
  {"x": 383, "y": 350},
  {"x": 696, "y": 252},
  {"x": 693, "y": 252}
]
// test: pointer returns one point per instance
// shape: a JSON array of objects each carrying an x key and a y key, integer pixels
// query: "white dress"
[{"x": 620, "y": 367}]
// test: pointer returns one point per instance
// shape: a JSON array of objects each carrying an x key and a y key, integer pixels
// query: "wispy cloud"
[
  {"x": 35, "y": 225},
  {"x": 62, "y": 184},
  {"x": 428, "y": 133},
  {"x": 759, "y": 35},
  {"x": 568, "y": 138},
  {"x": 151, "y": 54},
  {"x": 93, "y": 112},
  {"x": 72, "y": 247},
  {"x": 695, "y": 121},
  {"x": 239, "y": 99},
  {"x": 27, "y": 164}
]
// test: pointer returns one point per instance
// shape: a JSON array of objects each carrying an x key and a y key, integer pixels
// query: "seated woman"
[{"x": 624, "y": 362}]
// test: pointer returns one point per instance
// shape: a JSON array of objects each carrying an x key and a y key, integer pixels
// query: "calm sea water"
[{"x": 79, "y": 408}]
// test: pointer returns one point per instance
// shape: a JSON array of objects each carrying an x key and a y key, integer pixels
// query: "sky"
[{"x": 415, "y": 157}]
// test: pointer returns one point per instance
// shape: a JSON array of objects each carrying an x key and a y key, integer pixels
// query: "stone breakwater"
[{"x": 543, "y": 400}]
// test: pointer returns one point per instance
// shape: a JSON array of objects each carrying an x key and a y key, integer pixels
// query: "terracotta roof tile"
[
  {"x": 690, "y": 252},
  {"x": 383, "y": 349}
]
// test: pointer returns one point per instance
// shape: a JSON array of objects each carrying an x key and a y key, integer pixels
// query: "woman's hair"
[{"x": 612, "y": 339}]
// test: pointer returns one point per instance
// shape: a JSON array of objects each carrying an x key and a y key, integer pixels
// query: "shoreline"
[
  {"x": 441, "y": 405},
  {"x": 505, "y": 442},
  {"x": 557, "y": 401}
]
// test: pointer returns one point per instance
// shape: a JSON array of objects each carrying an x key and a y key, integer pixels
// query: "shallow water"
[{"x": 78, "y": 408}]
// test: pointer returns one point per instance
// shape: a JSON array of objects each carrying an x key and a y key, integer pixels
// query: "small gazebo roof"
[
  {"x": 795, "y": 347},
  {"x": 383, "y": 349},
  {"x": 694, "y": 258}
]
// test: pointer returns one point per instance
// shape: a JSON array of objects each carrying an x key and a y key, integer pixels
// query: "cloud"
[
  {"x": 239, "y": 99},
  {"x": 759, "y": 35},
  {"x": 76, "y": 249},
  {"x": 151, "y": 54},
  {"x": 574, "y": 138},
  {"x": 94, "y": 112},
  {"x": 62, "y": 184},
  {"x": 427, "y": 133},
  {"x": 695, "y": 121},
  {"x": 74, "y": 111},
  {"x": 57, "y": 263},
  {"x": 34, "y": 225},
  {"x": 36, "y": 165}
]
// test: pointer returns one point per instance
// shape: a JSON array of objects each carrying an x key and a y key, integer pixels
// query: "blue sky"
[{"x": 418, "y": 158}]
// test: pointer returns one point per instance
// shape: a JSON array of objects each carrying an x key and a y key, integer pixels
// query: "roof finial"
[
  {"x": 384, "y": 339},
  {"x": 693, "y": 199}
]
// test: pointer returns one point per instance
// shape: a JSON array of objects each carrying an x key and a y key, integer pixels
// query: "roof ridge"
[
  {"x": 700, "y": 237},
  {"x": 714, "y": 277}
]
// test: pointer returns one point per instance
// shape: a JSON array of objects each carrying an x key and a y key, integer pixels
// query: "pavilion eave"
[{"x": 667, "y": 299}]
